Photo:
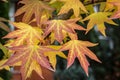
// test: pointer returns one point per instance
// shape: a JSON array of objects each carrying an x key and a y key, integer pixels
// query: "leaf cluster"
[{"x": 45, "y": 32}]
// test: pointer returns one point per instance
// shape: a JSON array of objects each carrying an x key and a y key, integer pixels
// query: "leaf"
[
  {"x": 31, "y": 58},
  {"x": 79, "y": 49},
  {"x": 3, "y": 25},
  {"x": 4, "y": 49},
  {"x": 59, "y": 27},
  {"x": 115, "y": 15},
  {"x": 52, "y": 55},
  {"x": 98, "y": 19},
  {"x": 1, "y": 78},
  {"x": 3, "y": 62},
  {"x": 25, "y": 34},
  {"x": 76, "y": 5},
  {"x": 90, "y": 8},
  {"x": 56, "y": 4},
  {"x": 111, "y": 4},
  {"x": 30, "y": 8}
]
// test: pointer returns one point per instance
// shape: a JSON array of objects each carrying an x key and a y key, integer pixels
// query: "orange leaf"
[
  {"x": 31, "y": 58},
  {"x": 31, "y": 7},
  {"x": 59, "y": 27},
  {"x": 98, "y": 19},
  {"x": 25, "y": 34},
  {"x": 79, "y": 49},
  {"x": 76, "y": 5},
  {"x": 115, "y": 15}
]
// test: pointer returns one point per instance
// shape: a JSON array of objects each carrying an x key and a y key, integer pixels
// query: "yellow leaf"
[
  {"x": 30, "y": 58},
  {"x": 90, "y": 8},
  {"x": 25, "y": 34},
  {"x": 76, "y": 5},
  {"x": 98, "y": 19},
  {"x": 32, "y": 7},
  {"x": 111, "y": 4},
  {"x": 52, "y": 55},
  {"x": 3, "y": 62}
]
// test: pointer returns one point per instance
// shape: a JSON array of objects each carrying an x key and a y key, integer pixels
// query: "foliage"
[{"x": 47, "y": 30}]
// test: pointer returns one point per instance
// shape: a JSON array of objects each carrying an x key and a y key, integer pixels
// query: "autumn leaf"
[
  {"x": 3, "y": 61},
  {"x": 52, "y": 55},
  {"x": 98, "y": 19},
  {"x": 115, "y": 15},
  {"x": 31, "y": 58},
  {"x": 78, "y": 49},
  {"x": 59, "y": 27},
  {"x": 3, "y": 25},
  {"x": 111, "y": 4},
  {"x": 30, "y": 8},
  {"x": 76, "y": 5},
  {"x": 25, "y": 34}
]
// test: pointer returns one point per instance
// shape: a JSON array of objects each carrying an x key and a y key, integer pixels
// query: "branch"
[
  {"x": 92, "y": 2},
  {"x": 64, "y": 16}
]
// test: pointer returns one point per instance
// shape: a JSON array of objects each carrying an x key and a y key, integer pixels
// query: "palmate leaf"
[
  {"x": 76, "y": 5},
  {"x": 61, "y": 27},
  {"x": 25, "y": 34},
  {"x": 98, "y": 19},
  {"x": 31, "y": 58},
  {"x": 52, "y": 55},
  {"x": 30, "y": 8},
  {"x": 79, "y": 49}
]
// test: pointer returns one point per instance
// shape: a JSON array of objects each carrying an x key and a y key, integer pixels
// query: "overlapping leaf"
[
  {"x": 78, "y": 49},
  {"x": 25, "y": 34},
  {"x": 52, "y": 55},
  {"x": 76, "y": 5},
  {"x": 111, "y": 4},
  {"x": 30, "y": 8},
  {"x": 31, "y": 58},
  {"x": 3, "y": 25},
  {"x": 59, "y": 26},
  {"x": 98, "y": 19},
  {"x": 117, "y": 12},
  {"x": 116, "y": 15}
]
